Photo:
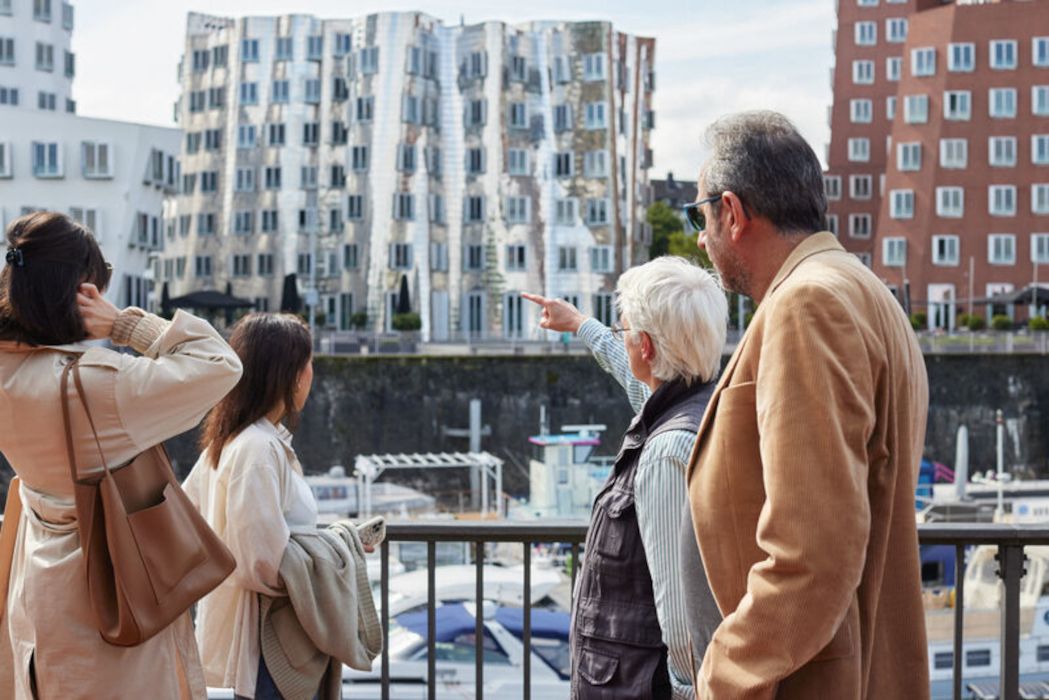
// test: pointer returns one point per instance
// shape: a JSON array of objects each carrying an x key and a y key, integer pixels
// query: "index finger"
[{"x": 535, "y": 298}]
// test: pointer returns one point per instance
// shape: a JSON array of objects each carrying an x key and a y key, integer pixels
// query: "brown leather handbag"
[{"x": 149, "y": 554}]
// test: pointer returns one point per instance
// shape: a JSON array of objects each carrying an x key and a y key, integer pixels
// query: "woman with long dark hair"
[
  {"x": 51, "y": 299},
  {"x": 250, "y": 487}
]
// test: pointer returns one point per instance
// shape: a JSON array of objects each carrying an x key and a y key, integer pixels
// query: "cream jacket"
[
  {"x": 254, "y": 500},
  {"x": 802, "y": 493},
  {"x": 136, "y": 402}
]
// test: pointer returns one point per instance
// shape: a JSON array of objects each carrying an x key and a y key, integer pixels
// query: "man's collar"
[{"x": 815, "y": 243}]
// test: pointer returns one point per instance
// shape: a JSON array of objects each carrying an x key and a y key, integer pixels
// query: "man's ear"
[{"x": 736, "y": 219}]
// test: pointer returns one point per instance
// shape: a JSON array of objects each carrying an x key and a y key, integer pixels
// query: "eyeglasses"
[
  {"x": 694, "y": 216},
  {"x": 618, "y": 330},
  {"x": 108, "y": 277}
]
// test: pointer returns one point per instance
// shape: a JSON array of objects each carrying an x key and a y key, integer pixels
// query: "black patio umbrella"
[
  {"x": 1039, "y": 296},
  {"x": 404, "y": 302},
  {"x": 165, "y": 301},
  {"x": 290, "y": 301},
  {"x": 209, "y": 300},
  {"x": 229, "y": 309}
]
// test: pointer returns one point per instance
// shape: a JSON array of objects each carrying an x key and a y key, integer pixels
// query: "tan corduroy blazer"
[{"x": 802, "y": 492}]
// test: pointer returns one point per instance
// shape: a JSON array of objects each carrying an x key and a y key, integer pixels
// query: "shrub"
[
  {"x": 1038, "y": 323},
  {"x": 963, "y": 320},
  {"x": 409, "y": 321},
  {"x": 359, "y": 320},
  {"x": 1001, "y": 322},
  {"x": 919, "y": 320},
  {"x": 976, "y": 323}
]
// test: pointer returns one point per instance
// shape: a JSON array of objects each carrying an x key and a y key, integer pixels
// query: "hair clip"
[{"x": 15, "y": 257}]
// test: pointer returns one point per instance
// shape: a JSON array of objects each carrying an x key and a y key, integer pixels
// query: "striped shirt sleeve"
[
  {"x": 611, "y": 356},
  {"x": 660, "y": 494}
]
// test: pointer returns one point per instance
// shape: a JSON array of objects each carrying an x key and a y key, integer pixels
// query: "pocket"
[
  {"x": 169, "y": 549},
  {"x": 595, "y": 667},
  {"x": 841, "y": 644},
  {"x": 615, "y": 527}
]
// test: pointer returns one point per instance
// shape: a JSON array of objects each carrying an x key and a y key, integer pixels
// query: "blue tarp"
[{"x": 545, "y": 623}]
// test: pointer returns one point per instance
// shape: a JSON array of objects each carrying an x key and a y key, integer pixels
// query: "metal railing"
[{"x": 1009, "y": 539}]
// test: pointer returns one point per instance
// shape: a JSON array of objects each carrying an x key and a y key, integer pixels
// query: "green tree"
[{"x": 669, "y": 236}]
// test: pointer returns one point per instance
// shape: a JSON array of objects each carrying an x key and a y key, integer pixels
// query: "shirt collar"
[
  {"x": 813, "y": 244},
  {"x": 278, "y": 431}
]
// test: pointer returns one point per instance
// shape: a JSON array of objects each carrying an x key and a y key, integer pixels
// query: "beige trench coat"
[{"x": 136, "y": 402}]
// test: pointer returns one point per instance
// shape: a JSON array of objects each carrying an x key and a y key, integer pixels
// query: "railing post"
[
  {"x": 384, "y": 589},
  {"x": 431, "y": 619},
  {"x": 526, "y": 600},
  {"x": 1011, "y": 570},
  {"x": 479, "y": 623},
  {"x": 959, "y": 617}
]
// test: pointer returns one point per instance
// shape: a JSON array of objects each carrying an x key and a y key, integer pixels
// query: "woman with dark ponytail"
[{"x": 51, "y": 300}]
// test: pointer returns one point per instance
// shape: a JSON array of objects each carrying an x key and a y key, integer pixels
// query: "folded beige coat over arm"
[{"x": 328, "y": 617}]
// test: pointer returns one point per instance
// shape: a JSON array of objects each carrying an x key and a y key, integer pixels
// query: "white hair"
[{"x": 685, "y": 312}]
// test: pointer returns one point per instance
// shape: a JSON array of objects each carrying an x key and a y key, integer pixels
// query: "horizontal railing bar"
[
  {"x": 983, "y": 533},
  {"x": 486, "y": 531}
]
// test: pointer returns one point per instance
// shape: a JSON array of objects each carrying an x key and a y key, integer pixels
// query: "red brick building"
[{"x": 939, "y": 157}]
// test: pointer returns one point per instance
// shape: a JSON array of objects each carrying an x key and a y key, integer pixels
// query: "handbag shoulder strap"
[{"x": 74, "y": 367}]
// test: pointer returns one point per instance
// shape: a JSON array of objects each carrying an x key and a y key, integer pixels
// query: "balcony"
[{"x": 1009, "y": 540}]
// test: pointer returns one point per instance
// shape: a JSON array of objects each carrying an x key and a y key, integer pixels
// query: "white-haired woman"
[{"x": 630, "y": 628}]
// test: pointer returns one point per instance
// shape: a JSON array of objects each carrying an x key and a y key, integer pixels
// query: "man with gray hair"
[
  {"x": 629, "y": 635},
  {"x": 801, "y": 483}
]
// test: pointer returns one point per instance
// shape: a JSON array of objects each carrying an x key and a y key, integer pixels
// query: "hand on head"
[
  {"x": 97, "y": 312},
  {"x": 558, "y": 314}
]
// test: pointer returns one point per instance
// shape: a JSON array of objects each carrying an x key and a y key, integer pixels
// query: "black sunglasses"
[{"x": 694, "y": 216}]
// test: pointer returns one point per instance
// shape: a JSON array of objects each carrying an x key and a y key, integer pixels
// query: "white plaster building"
[
  {"x": 474, "y": 161},
  {"x": 111, "y": 176}
]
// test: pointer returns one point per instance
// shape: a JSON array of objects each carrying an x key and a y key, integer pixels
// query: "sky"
[{"x": 712, "y": 58}]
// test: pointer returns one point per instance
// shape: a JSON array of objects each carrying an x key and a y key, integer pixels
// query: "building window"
[
  {"x": 563, "y": 162},
  {"x": 950, "y": 202},
  {"x": 203, "y": 266},
  {"x": 565, "y": 212},
  {"x": 406, "y": 157},
  {"x": 197, "y": 101},
  {"x": 475, "y": 161},
  {"x": 893, "y": 69},
  {"x": 404, "y": 206},
  {"x": 1040, "y": 149},
  {"x": 369, "y": 62},
  {"x": 273, "y": 178},
  {"x": 355, "y": 207},
  {"x": 832, "y": 223},
  {"x": 313, "y": 91},
  {"x": 359, "y": 158},
  {"x": 595, "y": 115},
  {"x": 365, "y": 109},
  {"x": 1003, "y": 54},
  {"x": 246, "y": 136},
  {"x": 245, "y": 180},
  {"x": 954, "y": 153},
  {"x": 894, "y": 252},
  {"x": 923, "y": 62},
  {"x": 95, "y": 160},
  {"x": 566, "y": 259},
  {"x": 216, "y": 97},
  {"x": 220, "y": 56},
  {"x": 88, "y": 218},
  {"x": 863, "y": 72},
  {"x": 945, "y": 250},
  {"x": 860, "y": 111},
  {"x": 264, "y": 264},
  {"x": 518, "y": 115},
  {"x": 860, "y": 186},
  {"x": 243, "y": 222},
  {"x": 283, "y": 50},
  {"x": 476, "y": 113},
  {"x": 7, "y": 51},
  {"x": 593, "y": 67},
  {"x": 597, "y": 212},
  {"x": 860, "y": 225},
  {"x": 270, "y": 220},
  {"x": 832, "y": 186},
  {"x": 45, "y": 57},
  {"x": 901, "y": 204},
  {"x": 339, "y": 133},
  {"x": 212, "y": 140},
  {"x": 890, "y": 107},
  {"x": 909, "y": 156},
  {"x": 410, "y": 113},
  {"x": 601, "y": 259},
  {"x": 249, "y": 51},
  {"x": 45, "y": 101},
  {"x": 957, "y": 105},
  {"x": 943, "y": 660},
  {"x": 866, "y": 33},
  {"x": 517, "y": 161},
  {"x": 9, "y": 96},
  {"x": 400, "y": 256},
  {"x": 1001, "y": 200},
  {"x": 349, "y": 256},
  {"x": 280, "y": 92},
  {"x": 205, "y": 224},
  {"x": 474, "y": 206},
  {"x": 896, "y": 30},
  {"x": 562, "y": 118},
  {"x": 859, "y": 149},
  {"x": 249, "y": 93},
  {"x": 1001, "y": 103},
  {"x": 42, "y": 10},
  {"x": 518, "y": 210},
  {"x": 961, "y": 58},
  {"x": 314, "y": 48},
  {"x": 1040, "y": 248},
  {"x": 595, "y": 164},
  {"x": 1040, "y": 198},
  {"x": 1001, "y": 249},
  {"x": 473, "y": 257},
  {"x": 433, "y": 160},
  {"x": 277, "y": 134},
  {"x": 47, "y": 159},
  {"x": 916, "y": 109},
  {"x": 516, "y": 258},
  {"x": 1001, "y": 151},
  {"x": 1040, "y": 100}
]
